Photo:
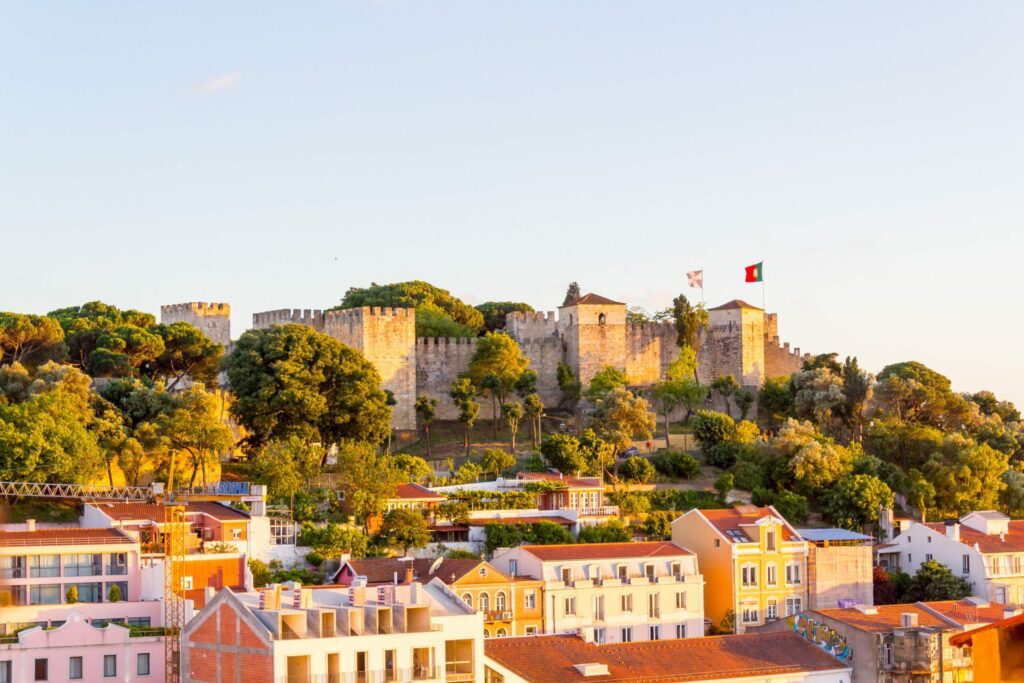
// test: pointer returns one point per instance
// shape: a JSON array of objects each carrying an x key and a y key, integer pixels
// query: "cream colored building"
[{"x": 615, "y": 592}]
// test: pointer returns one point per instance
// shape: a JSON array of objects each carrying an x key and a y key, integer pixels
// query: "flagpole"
[{"x": 763, "y": 308}]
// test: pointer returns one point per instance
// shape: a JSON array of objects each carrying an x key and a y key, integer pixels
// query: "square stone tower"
[
  {"x": 387, "y": 338},
  {"x": 593, "y": 329},
  {"x": 735, "y": 343},
  {"x": 212, "y": 319}
]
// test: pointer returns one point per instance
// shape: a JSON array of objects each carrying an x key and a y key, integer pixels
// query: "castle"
[{"x": 587, "y": 335}]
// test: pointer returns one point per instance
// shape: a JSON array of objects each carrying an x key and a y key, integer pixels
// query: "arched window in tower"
[{"x": 601, "y": 319}]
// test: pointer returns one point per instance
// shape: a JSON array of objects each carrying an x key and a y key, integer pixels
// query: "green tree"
[
  {"x": 114, "y": 593},
  {"x": 71, "y": 595},
  {"x": 572, "y": 293},
  {"x": 668, "y": 394},
  {"x": 906, "y": 444},
  {"x": 30, "y": 340},
  {"x": 195, "y": 428},
  {"x": 632, "y": 503},
  {"x": 604, "y": 381},
  {"x": 621, "y": 417},
  {"x": 724, "y": 484},
  {"x": 286, "y": 466},
  {"x": 405, "y": 529},
  {"x": 563, "y": 452},
  {"x": 455, "y": 511},
  {"x": 612, "y": 531},
  {"x": 658, "y": 525},
  {"x": 91, "y": 328},
  {"x": 526, "y": 383},
  {"x": 817, "y": 394},
  {"x": 494, "y": 313},
  {"x": 775, "y": 399},
  {"x": 468, "y": 473},
  {"x": 935, "y": 581},
  {"x": 712, "y": 428},
  {"x": 434, "y": 306},
  {"x": 725, "y": 386},
  {"x": 462, "y": 393},
  {"x": 814, "y": 461},
  {"x": 744, "y": 398},
  {"x": 495, "y": 461},
  {"x": 331, "y": 540},
  {"x": 513, "y": 413},
  {"x": 1012, "y": 496},
  {"x": 637, "y": 469},
  {"x": 568, "y": 384},
  {"x": 857, "y": 389},
  {"x": 412, "y": 468},
  {"x": 688, "y": 319},
  {"x": 289, "y": 379},
  {"x": 496, "y": 366},
  {"x": 912, "y": 392},
  {"x": 966, "y": 475},
  {"x": 854, "y": 500},
  {"x": 677, "y": 464},
  {"x": 425, "y": 410},
  {"x": 186, "y": 351},
  {"x": 367, "y": 478},
  {"x": 533, "y": 408}
]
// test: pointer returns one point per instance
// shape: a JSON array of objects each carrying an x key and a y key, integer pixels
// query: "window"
[
  {"x": 908, "y": 558},
  {"x": 117, "y": 564},
  {"x": 530, "y": 599},
  {"x": 599, "y": 607},
  {"x": 483, "y": 571},
  {"x": 793, "y": 574},
  {"x": 282, "y": 531},
  {"x": 598, "y": 635},
  {"x": 750, "y": 615},
  {"x": 5, "y": 671},
  {"x": 718, "y": 543},
  {"x": 87, "y": 592},
  {"x": 42, "y": 669},
  {"x": 793, "y": 606},
  {"x": 75, "y": 668},
  {"x": 653, "y": 605},
  {"x": 749, "y": 575},
  {"x": 513, "y": 567},
  {"x": 566, "y": 575},
  {"x": 680, "y": 630},
  {"x": 654, "y": 632},
  {"x": 929, "y": 539},
  {"x": 123, "y": 587},
  {"x": 649, "y": 571},
  {"x": 45, "y": 595},
  {"x": 622, "y": 571},
  {"x": 627, "y": 602},
  {"x": 681, "y": 600},
  {"x": 967, "y": 564},
  {"x": 887, "y": 657},
  {"x": 770, "y": 541},
  {"x": 626, "y": 635},
  {"x": 236, "y": 534},
  {"x": 109, "y": 666},
  {"x": 44, "y": 566},
  {"x": 483, "y": 602},
  {"x": 771, "y": 575},
  {"x": 928, "y": 557},
  {"x": 468, "y": 599},
  {"x": 601, "y": 320},
  {"x": 83, "y": 565},
  {"x": 570, "y": 606},
  {"x": 595, "y": 574},
  {"x": 532, "y": 631},
  {"x": 12, "y": 568},
  {"x": 677, "y": 571},
  {"x": 501, "y": 633},
  {"x": 499, "y": 601},
  {"x": 389, "y": 666},
  {"x": 771, "y": 610}
]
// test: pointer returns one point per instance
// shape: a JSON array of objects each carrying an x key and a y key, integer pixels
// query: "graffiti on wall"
[{"x": 822, "y": 635}]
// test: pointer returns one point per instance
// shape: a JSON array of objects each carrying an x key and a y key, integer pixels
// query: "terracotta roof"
[
  {"x": 602, "y": 551},
  {"x": 64, "y": 536},
  {"x": 728, "y": 522},
  {"x": 382, "y": 570},
  {"x": 1013, "y": 542},
  {"x": 552, "y": 659},
  {"x": 125, "y": 512},
  {"x": 554, "y": 519},
  {"x": 735, "y": 303},
  {"x": 414, "y": 491},
  {"x": 888, "y": 617},
  {"x": 593, "y": 300},
  {"x": 967, "y": 638},
  {"x": 568, "y": 480}
]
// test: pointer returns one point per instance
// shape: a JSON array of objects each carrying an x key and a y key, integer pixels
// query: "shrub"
[
  {"x": 674, "y": 463},
  {"x": 792, "y": 506},
  {"x": 659, "y": 524},
  {"x": 722, "y": 454},
  {"x": 114, "y": 594},
  {"x": 711, "y": 428},
  {"x": 315, "y": 558},
  {"x": 610, "y": 532},
  {"x": 637, "y": 469},
  {"x": 71, "y": 597},
  {"x": 747, "y": 474}
]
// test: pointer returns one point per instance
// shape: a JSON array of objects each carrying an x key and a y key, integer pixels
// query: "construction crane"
[{"x": 175, "y": 538}]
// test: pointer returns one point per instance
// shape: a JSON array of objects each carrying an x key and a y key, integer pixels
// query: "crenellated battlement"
[
  {"x": 194, "y": 308},
  {"x": 524, "y": 325},
  {"x": 310, "y": 317},
  {"x": 428, "y": 342},
  {"x": 650, "y": 330},
  {"x": 368, "y": 311},
  {"x": 538, "y": 316}
]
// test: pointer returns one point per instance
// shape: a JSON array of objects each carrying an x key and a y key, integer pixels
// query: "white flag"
[{"x": 696, "y": 278}]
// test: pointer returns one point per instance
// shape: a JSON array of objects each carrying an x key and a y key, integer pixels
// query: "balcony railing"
[
  {"x": 458, "y": 671},
  {"x": 498, "y": 615},
  {"x": 599, "y": 511}
]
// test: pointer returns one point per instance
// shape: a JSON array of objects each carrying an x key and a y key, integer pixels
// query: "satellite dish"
[{"x": 437, "y": 563}]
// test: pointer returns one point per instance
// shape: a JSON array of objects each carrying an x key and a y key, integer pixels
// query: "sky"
[{"x": 274, "y": 155}]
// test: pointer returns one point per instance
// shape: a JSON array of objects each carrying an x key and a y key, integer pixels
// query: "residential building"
[
  {"x": 753, "y": 561},
  {"x": 751, "y": 658},
  {"x": 997, "y": 650},
  {"x": 839, "y": 568},
  {"x": 623, "y": 591},
  {"x": 409, "y": 632},
  {"x": 471, "y": 534},
  {"x": 907, "y": 643},
  {"x": 511, "y": 606},
  {"x": 986, "y": 548},
  {"x": 413, "y": 497},
  {"x": 76, "y": 650},
  {"x": 585, "y": 495}
]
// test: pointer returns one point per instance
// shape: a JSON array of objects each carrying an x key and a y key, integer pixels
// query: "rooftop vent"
[
  {"x": 866, "y": 609},
  {"x": 908, "y": 619},
  {"x": 591, "y": 669}
]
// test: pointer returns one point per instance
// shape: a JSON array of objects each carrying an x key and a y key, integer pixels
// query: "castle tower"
[
  {"x": 387, "y": 338},
  {"x": 593, "y": 329},
  {"x": 734, "y": 345},
  {"x": 212, "y": 319}
]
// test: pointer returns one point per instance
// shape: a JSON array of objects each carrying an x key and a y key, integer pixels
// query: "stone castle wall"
[
  {"x": 439, "y": 362},
  {"x": 309, "y": 317},
  {"x": 780, "y": 360},
  {"x": 650, "y": 349},
  {"x": 212, "y": 319},
  {"x": 536, "y": 325}
]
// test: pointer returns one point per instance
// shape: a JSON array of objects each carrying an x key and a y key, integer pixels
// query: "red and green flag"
[{"x": 754, "y": 272}]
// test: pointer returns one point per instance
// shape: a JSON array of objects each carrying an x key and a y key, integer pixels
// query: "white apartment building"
[
  {"x": 984, "y": 547},
  {"x": 614, "y": 592}
]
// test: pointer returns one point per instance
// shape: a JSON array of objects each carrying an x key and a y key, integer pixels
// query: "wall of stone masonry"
[
  {"x": 299, "y": 316},
  {"x": 212, "y": 319},
  {"x": 439, "y": 362}
]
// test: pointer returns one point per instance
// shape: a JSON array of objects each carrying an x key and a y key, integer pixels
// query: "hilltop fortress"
[{"x": 587, "y": 335}]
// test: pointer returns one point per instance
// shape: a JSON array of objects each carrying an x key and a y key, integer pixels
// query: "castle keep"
[{"x": 587, "y": 334}]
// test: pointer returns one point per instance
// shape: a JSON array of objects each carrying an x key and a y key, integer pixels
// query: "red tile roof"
[
  {"x": 552, "y": 659},
  {"x": 64, "y": 536},
  {"x": 593, "y": 300},
  {"x": 1012, "y": 542},
  {"x": 965, "y": 612},
  {"x": 888, "y": 617},
  {"x": 735, "y": 303},
  {"x": 728, "y": 522},
  {"x": 126, "y": 512},
  {"x": 568, "y": 480},
  {"x": 603, "y": 551},
  {"x": 967, "y": 638},
  {"x": 382, "y": 570},
  {"x": 414, "y": 491}
]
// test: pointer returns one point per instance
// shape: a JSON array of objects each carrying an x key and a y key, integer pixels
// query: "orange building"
[{"x": 997, "y": 650}]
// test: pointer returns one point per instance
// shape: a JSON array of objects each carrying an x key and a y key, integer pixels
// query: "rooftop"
[
  {"x": 967, "y": 638},
  {"x": 569, "y": 480},
  {"x": 414, "y": 492},
  {"x": 535, "y": 519},
  {"x": 553, "y": 659},
  {"x": 64, "y": 536},
  {"x": 605, "y": 551},
  {"x": 1011, "y": 542},
  {"x": 729, "y": 521},
  {"x": 819, "y": 535},
  {"x": 383, "y": 570},
  {"x": 593, "y": 300},
  {"x": 125, "y": 512},
  {"x": 735, "y": 303},
  {"x": 945, "y": 614}
]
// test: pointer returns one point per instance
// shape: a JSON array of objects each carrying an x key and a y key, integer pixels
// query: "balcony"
[
  {"x": 497, "y": 615},
  {"x": 461, "y": 670},
  {"x": 599, "y": 511}
]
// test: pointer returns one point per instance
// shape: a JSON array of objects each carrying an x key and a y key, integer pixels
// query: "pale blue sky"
[{"x": 273, "y": 155}]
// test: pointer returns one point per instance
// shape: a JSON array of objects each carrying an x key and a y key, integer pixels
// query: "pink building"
[{"x": 79, "y": 651}]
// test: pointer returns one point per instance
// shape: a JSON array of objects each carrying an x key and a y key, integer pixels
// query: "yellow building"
[
  {"x": 512, "y": 606},
  {"x": 754, "y": 563}
]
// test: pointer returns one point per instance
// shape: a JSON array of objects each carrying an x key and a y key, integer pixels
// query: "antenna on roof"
[{"x": 437, "y": 563}]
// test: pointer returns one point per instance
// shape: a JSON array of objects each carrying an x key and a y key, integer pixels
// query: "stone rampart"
[
  {"x": 212, "y": 319},
  {"x": 309, "y": 317}
]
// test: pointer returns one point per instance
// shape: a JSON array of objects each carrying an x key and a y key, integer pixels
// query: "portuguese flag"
[{"x": 754, "y": 272}]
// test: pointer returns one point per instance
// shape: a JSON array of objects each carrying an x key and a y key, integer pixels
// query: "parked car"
[{"x": 629, "y": 452}]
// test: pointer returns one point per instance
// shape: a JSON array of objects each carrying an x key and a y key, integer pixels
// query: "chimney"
[
  {"x": 30, "y": 525},
  {"x": 408, "y": 574},
  {"x": 953, "y": 529},
  {"x": 885, "y": 523},
  {"x": 908, "y": 619}
]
